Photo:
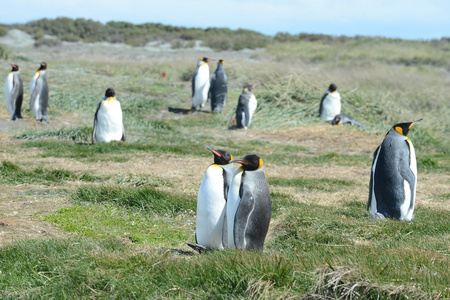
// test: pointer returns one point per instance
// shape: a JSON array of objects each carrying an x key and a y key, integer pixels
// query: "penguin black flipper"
[
  {"x": 16, "y": 97},
  {"x": 44, "y": 98},
  {"x": 371, "y": 193},
  {"x": 94, "y": 131},
  {"x": 199, "y": 248},
  {"x": 242, "y": 224},
  {"x": 193, "y": 81},
  {"x": 321, "y": 102}
]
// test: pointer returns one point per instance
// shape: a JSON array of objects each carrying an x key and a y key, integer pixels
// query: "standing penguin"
[
  {"x": 200, "y": 83},
  {"x": 330, "y": 105},
  {"x": 212, "y": 199},
  {"x": 39, "y": 94},
  {"x": 393, "y": 178},
  {"x": 246, "y": 107},
  {"x": 14, "y": 92},
  {"x": 219, "y": 88},
  {"x": 108, "y": 120},
  {"x": 248, "y": 205}
]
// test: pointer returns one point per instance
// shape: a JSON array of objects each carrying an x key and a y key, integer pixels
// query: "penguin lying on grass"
[
  {"x": 393, "y": 179},
  {"x": 342, "y": 119},
  {"x": 211, "y": 202},
  {"x": 108, "y": 120},
  {"x": 14, "y": 93}
]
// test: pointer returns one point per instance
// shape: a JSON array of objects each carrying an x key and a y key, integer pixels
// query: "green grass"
[
  {"x": 318, "y": 184},
  {"x": 11, "y": 173}
]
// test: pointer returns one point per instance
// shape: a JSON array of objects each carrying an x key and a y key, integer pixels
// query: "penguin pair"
[
  {"x": 246, "y": 107},
  {"x": 330, "y": 104},
  {"x": 393, "y": 178},
  {"x": 108, "y": 120},
  {"x": 14, "y": 92},
  {"x": 233, "y": 206},
  {"x": 219, "y": 88},
  {"x": 39, "y": 94}
]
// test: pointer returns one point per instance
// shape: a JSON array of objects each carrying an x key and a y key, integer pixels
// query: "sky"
[{"x": 406, "y": 19}]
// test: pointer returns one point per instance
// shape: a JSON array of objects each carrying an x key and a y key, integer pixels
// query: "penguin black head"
[
  {"x": 14, "y": 68},
  {"x": 221, "y": 157},
  {"x": 43, "y": 66},
  {"x": 336, "y": 120},
  {"x": 250, "y": 162},
  {"x": 221, "y": 61},
  {"x": 205, "y": 59},
  {"x": 332, "y": 87},
  {"x": 403, "y": 128},
  {"x": 249, "y": 87},
  {"x": 110, "y": 92}
]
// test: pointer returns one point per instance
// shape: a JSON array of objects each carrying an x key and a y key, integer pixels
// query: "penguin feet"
[
  {"x": 199, "y": 248},
  {"x": 378, "y": 216}
]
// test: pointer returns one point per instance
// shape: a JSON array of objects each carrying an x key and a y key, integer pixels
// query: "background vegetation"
[{"x": 121, "y": 213}]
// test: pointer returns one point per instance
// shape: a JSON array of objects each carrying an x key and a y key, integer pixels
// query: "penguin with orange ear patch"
[
  {"x": 393, "y": 179},
  {"x": 248, "y": 205}
]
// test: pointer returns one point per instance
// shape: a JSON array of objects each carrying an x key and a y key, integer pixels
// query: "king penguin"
[
  {"x": 108, "y": 120},
  {"x": 248, "y": 205},
  {"x": 330, "y": 105},
  {"x": 246, "y": 107},
  {"x": 14, "y": 93},
  {"x": 212, "y": 199},
  {"x": 342, "y": 119},
  {"x": 39, "y": 94},
  {"x": 200, "y": 83},
  {"x": 393, "y": 179},
  {"x": 219, "y": 88}
]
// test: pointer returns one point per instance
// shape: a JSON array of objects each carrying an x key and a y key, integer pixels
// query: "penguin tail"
[{"x": 361, "y": 125}]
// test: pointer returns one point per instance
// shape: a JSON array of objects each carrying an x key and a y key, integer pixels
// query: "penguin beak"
[
  {"x": 214, "y": 151},
  {"x": 414, "y": 123},
  {"x": 238, "y": 160}
]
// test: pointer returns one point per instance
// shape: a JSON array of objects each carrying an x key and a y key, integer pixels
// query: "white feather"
[
  {"x": 9, "y": 84},
  {"x": 232, "y": 205},
  {"x": 109, "y": 124}
]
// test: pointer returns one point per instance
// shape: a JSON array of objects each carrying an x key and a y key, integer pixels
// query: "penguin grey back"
[
  {"x": 219, "y": 88},
  {"x": 243, "y": 111},
  {"x": 252, "y": 219}
]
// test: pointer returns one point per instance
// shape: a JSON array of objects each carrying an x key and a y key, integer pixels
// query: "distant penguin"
[
  {"x": 248, "y": 205},
  {"x": 14, "y": 93},
  {"x": 330, "y": 105},
  {"x": 219, "y": 88},
  {"x": 212, "y": 199},
  {"x": 246, "y": 107},
  {"x": 108, "y": 120},
  {"x": 393, "y": 179},
  {"x": 200, "y": 83},
  {"x": 39, "y": 94},
  {"x": 342, "y": 119}
]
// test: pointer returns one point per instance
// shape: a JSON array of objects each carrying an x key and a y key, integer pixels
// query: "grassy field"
[{"x": 82, "y": 221}]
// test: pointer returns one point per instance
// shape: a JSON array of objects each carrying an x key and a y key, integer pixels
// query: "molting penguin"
[
  {"x": 246, "y": 107},
  {"x": 39, "y": 93},
  {"x": 393, "y": 178},
  {"x": 211, "y": 201},
  {"x": 248, "y": 205},
  {"x": 108, "y": 120},
  {"x": 219, "y": 88},
  {"x": 330, "y": 105},
  {"x": 200, "y": 83},
  {"x": 342, "y": 119},
  {"x": 14, "y": 93}
]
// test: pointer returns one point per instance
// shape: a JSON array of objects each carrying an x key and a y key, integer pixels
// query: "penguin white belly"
[
  {"x": 109, "y": 125},
  {"x": 36, "y": 107},
  {"x": 232, "y": 204},
  {"x": 210, "y": 208},
  {"x": 201, "y": 86},
  {"x": 331, "y": 107},
  {"x": 404, "y": 207},
  {"x": 413, "y": 165},
  {"x": 252, "y": 103},
  {"x": 9, "y": 84}
]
